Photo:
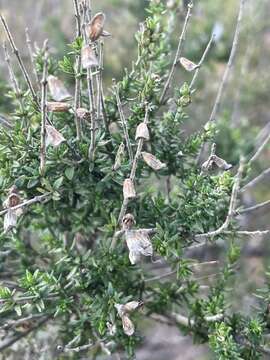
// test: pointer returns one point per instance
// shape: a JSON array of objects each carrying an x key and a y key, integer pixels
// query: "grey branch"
[
  {"x": 256, "y": 180},
  {"x": 251, "y": 209},
  {"x": 36, "y": 199}
]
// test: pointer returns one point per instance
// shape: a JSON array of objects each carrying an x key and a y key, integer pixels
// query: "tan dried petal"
[
  {"x": 56, "y": 106},
  {"x": 187, "y": 64},
  {"x": 222, "y": 164},
  {"x": 132, "y": 305},
  {"x": 89, "y": 58},
  {"x": 95, "y": 29},
  {"x": 152, "y": 161},
  {"x": 138, "y": 243},
  {"x": 12, "y": 200},
  {"x": 142, "y": 132},
  {"x": 128, "y": 221},
  {"x": 10, "y": 220},
  {"x": 83, "y": 113},
  {"x": 128, "y": 326},
  {"x": 120, "y": 309},
  {"x": 57, "y": 89},
  {"x": 119, "y": 156},
  {"x": 129, "y": 189},
  {"x": 53, "y": 136}
]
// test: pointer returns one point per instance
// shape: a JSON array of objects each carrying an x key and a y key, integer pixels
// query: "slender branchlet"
[
  {"x": 31, "y": 54},
  {"x": 78, "y": 66},
  {"x": 259, "y": 150},
  {"x": 123, "y": 120},
  {"x": 178, "y": 52},
  {"x": 256, "y": 207},
  {"x": 19, "y": 59},
  {"x": 90, "y": 88},
  {"x": 134, "y": 165},
  {"x": 201, "y": 61},
  {"x": 36, "y": 199},
  {"x": 13, "y": 79},
  {"x": 99, "y": 84},
  {"x": 44, "y": 83},
  {"x": 231, "y": 211},
  {"x": 256, "y": 180},
  {"x": 225, "y": 77}
]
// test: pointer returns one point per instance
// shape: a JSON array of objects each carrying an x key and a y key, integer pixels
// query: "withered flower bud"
[
  {"x": 57, "y": 89},
  {"x": 89, "y": 58},
  {"x": 83, "y": 114},
  {"x": 13, "y": 198},
  {"x": 56, "y": 106},
  {"x": 152, "y": 161},
  {"x": 187, "y": 64},
  {"x": 129, "y": 189},
  {"x": 123, "y": 311},
  {"x": 138, "y": 243},
  {"x": 95, "y": 28},
  {"x": 53, "y": 136},
  {"x": 142, "y": 132},
  {"x": 128, "y": 222}
]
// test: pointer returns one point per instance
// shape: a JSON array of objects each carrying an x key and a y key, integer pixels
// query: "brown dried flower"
[
  {"x": 187, "y": 64},
  {"x": 56, "y": 106},
  {"x": 152, "y": 161},
  {"x": 83, "y": 114},
  {"x": 129, "y": 189},
  {"x": 142, "y": 132},
  {"x": 57, "y": 89},
  {"x": 89, "y": 58},
  {"x": 119, "y": 157},
  {"x": 53, "y": 136},
  {"x": 95, "y": 28},
  {"x": 138, "y": 243},
  {"x": 123, "y": 311}
]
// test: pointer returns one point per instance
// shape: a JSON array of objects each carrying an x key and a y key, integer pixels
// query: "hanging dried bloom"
[
  {"x": 13, "y": 198},
  {"x": 138, "y": 243},
  {"x": 83, "y": 114},
  {"x": 95, "y": 28},
  {"x": 152, "y": 161},
  {"x": 119, "y": 157},
  {"x": 222, "y": 164},
  {"x": 89, "y": 58},
  {"x": 142, "y": 132},
  {"x": 111, "y": 327},
  {"x": 129, "y": 189},
  {"x": 53, "y": 136},
  {"x": 56, "y": 106},
  {"x": 187, "y": 64},
  {"x": 57, "y": 89},
  {"x": 128, "y": 221},
  {"x": 10, "y": 220},
  {"x": 123, "y": 312}
]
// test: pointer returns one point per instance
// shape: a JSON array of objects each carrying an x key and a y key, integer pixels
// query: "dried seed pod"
[
  {"x": 138, "y": 243},
  {"x": 56, "y": 106},
  {"x": 187, "y": 64},
  {"x": 119, "y": 157},
  {"x": 128, "y": 326},
  {"x": 57, "y": 89},
  {"x": 152, "y": 161},
  {"x": 89, "y": 58},
  {"x": 83, "y": 114},
  {"x": 128, "y": 221},
  {"x": 53, "y": 136},
  {"x": 129, "y": 189},
  {"x": 10, "y": 220},
  {"x": 222, "y": 164},
  {"x": 95, "y": 28},
  {"x": 142, "y": 132}
]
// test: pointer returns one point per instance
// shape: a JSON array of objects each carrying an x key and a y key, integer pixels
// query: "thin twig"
[
  {"x": 185, "y": 321},
  {"x": 232, "y": 205},
  {"x": 44, "y": 83},
  {"x": 77, "y": 95},
  {"x": 17, "y": 54},
  {"x": 36, "y": 199},
  {"x": 14, "y": 323},
  {"x": 253, "y": 208},
  {"x": 255, "y": 181},
  {"x": 123, "y": 121},
  {"x": 201, "y": 61},
  {"x": 178, "y": 52},
  {"x": 30, "y": 50},
  {"x": 259, "y": 150}
]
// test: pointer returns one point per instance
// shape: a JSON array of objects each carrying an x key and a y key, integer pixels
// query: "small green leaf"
[{"x": 69, "y": 172}]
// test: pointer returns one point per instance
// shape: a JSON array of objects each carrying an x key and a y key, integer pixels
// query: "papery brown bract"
[
  {"x": 129, "y": 189},
  {"x": 187, "y": 64},
  {"x": 57, "y": 89},
  {"x": 142, "y": 132},
  {"x": 152, "y": 161},
  {"x": 10, "y": 220},
  {"x": 119, "y": 157},
  {"x": 95, "y": 28},
  {"x": 56, "y": 106},
  {"x": 138, "y": 243},
  {"x": 128, "y": 326},
  {"x": 83, "y": 114},
  {"x": 53, "y": 136},
  {"x": 89, "y": 58}
]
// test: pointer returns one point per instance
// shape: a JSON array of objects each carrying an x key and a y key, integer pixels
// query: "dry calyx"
[
  {"x": 215, "y": 162},
  {"x": 137, "y": 240},
  {"x": 11, "y": 216},
  {"x": 124, "y": 311}
]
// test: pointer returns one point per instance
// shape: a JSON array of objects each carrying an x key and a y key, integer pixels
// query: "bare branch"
[
  {"x": 259, "y": 150},
  {"x": 30, "y": 50},
  {"x": 256, "y": 180},
  {"x": 36, "y": 199},
  {"x": 253, "y": 208}
]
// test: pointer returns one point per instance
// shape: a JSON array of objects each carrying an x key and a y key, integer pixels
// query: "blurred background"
[{"x": 244, "y": 117}]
